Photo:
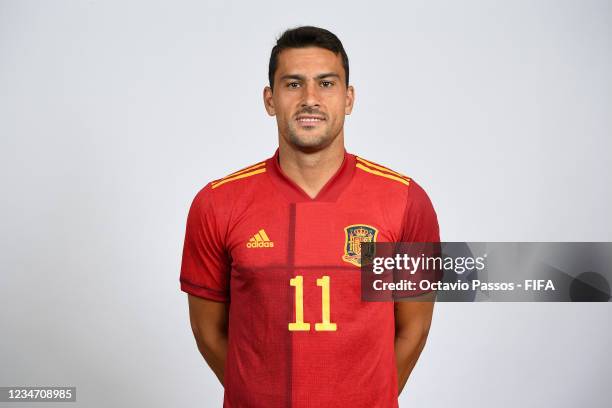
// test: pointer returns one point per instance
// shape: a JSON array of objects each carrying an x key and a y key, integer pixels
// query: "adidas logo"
[{"x": 260, "y": 240}]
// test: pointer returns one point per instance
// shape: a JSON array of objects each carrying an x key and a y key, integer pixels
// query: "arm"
[
  {"x": 209, "y": 322},
  {"x": 412, "y": 322},
  {"x": 413, "y": 318},
  {"x": 205, "y": 271}
]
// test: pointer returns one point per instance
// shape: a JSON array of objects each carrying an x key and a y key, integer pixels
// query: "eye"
[
  {"x": 293, "y": 85},
  {"x": 327, "y": 84}
]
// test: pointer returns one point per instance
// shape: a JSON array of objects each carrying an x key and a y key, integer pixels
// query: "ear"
[
  {"x": 350, "y": 100},
  {"x": 268, "y": 101}
]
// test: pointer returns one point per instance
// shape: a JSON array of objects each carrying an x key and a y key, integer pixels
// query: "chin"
[{"x": 310, "y": 143}]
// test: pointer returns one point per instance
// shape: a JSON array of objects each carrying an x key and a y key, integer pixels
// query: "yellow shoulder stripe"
[
  {"x": 245, "y": 170},
  {"x": 376, "y": 166},
  {"x": 380, "y": 173},
  {"x": 237, "y": 177}
]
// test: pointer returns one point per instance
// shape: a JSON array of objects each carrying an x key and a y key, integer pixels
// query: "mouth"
[{"x": 309, "y": 120}]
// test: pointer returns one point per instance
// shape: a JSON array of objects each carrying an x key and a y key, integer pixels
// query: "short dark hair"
[{"x": 307, "y": 36}]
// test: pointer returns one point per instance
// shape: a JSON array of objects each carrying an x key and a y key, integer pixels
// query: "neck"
[{"x": 311, "y": 170}]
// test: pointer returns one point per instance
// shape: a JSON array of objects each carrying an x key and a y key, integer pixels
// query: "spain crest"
[{"x": 354, "y": 235}]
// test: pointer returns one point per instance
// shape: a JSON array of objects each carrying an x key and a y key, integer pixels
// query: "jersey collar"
[{"x": 330, "y": 191}]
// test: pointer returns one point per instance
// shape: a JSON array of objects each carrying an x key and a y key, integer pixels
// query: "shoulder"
[
  {"x": 223, "y": 190},
  {"x": 240, "y": 177},
  {"x": 402, "y": 193},
  {"x": 384, "y": 178},
  {"x": 378, "y": 174}
]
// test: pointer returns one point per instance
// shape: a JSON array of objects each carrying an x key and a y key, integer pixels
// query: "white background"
[{"x": 113, "y": 114}]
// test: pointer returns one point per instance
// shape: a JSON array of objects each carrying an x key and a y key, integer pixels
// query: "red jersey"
[{"x": 299, "y": 333}]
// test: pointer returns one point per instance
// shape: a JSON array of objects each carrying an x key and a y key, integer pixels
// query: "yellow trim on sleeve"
[
  {"x": 255, "y": 166},
  {"x": 364, "y": 161},
  {"x": 237, "y": 177},
  {"x": 380, "y": 173}
]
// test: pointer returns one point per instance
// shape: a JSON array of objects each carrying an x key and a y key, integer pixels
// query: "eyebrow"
[{"x": 302, "y": 77}]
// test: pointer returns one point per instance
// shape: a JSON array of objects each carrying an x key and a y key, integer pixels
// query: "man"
[{"x": 271, "y": 257}]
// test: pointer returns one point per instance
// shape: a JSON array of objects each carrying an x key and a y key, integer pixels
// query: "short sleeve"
[
  {"x": 420, "y": 228},
  {"x": 205, "y": 267},
  {"x": 420, "y": 223}
]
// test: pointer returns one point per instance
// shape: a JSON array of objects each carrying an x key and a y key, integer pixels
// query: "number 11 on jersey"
[{"x": 299, "y": 324}]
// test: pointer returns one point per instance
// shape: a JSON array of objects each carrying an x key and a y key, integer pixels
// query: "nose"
[{"x": 310, "y": 96}]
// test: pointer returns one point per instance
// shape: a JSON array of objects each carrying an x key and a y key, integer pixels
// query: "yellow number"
[
  {"x": 325, "y": 325},
  {"x": 299, "y": 325}
]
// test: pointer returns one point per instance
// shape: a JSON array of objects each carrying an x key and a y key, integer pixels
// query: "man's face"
[{"x": 310, "y": 97}]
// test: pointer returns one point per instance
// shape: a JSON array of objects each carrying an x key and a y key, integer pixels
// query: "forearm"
[
  {"x": 408, "y": 347},
  {"x": 209, "y": 323},
  {"x": 214, "y": 351}
]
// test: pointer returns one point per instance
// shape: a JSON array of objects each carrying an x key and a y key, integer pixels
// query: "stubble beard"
[{"x": 309, "y": 143}]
